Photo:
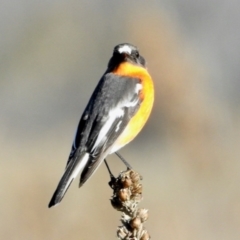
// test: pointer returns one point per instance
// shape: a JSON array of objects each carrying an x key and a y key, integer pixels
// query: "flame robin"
[{"x": 117, "y": 111}]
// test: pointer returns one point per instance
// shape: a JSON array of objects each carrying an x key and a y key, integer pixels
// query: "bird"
[{"x": 116, "y": 112}]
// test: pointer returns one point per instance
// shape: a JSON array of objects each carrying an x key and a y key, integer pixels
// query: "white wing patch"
[
  {"x": 138, "y": 88},
  {"x": 132, "y": 104},
  {"x": 80, "y": 166},
  {"x": 126, "y": 49},
  {"x": 118, "y": 125},
  {"x": 113, "y": 114}
]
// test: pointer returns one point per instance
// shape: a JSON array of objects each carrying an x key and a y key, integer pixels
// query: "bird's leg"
[
  {"x": 124, "y": 161},
  {"x": 108, "y": 168},
  {"x": 113, "y": 179}
]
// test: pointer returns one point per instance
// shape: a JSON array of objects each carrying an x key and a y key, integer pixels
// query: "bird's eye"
[{"x": 137, "y": 54}]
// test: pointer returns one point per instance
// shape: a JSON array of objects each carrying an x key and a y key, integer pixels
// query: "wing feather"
[{"x": 114, "y": 102}]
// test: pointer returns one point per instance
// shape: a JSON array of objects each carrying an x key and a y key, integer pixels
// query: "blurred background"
[{"x": 52, "y": 56}]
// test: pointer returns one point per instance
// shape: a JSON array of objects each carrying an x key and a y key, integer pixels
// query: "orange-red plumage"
[{"x": 146, "y": 94}]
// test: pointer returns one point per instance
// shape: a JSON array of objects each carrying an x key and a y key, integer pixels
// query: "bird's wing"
[{"x": 114, "y": 102}]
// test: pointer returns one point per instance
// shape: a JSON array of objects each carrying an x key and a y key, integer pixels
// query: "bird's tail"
[{"x": 72, "y": 170}]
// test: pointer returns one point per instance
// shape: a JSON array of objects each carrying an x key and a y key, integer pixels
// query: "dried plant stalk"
[{"x": 127, "y": 194}]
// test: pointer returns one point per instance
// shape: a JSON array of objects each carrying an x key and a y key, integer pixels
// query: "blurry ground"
[{"x": 53, "y": 54}]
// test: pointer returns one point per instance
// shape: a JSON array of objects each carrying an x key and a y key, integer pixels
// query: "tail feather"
[
  {"x": 89, "y": 169},
  {"x": 72, "y": 170}
]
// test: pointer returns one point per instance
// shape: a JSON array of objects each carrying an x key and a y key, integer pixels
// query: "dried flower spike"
[{"x": 127, "y": 193}]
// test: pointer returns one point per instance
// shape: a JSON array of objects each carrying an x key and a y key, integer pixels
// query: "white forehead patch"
[{"x": 126, "y": 49}]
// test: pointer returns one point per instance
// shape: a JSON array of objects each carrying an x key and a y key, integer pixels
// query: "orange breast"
[{"x": 147, "y": 95}]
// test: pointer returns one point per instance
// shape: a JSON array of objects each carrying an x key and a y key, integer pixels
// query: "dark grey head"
[{"x": 126, "y": 52}]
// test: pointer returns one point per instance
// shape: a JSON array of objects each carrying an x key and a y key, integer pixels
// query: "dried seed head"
[
  {"x": 126, "y": 182},
  {"x": 117, "y": 203},
  {"x": 135, "y": 176},
  {"x": 136, "y": 197},
  {"x": 122, "y": 232},
  {"x": 135, "y": 223},
  {"x": 123, "y": 194},
  {"x": 145, "y": 235},
  {"x": 137, "y": 189},
  {"x": 127, "y": 193},
  {"x": 125, "y": 218},
  {"x": 143, "y": 214}
]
